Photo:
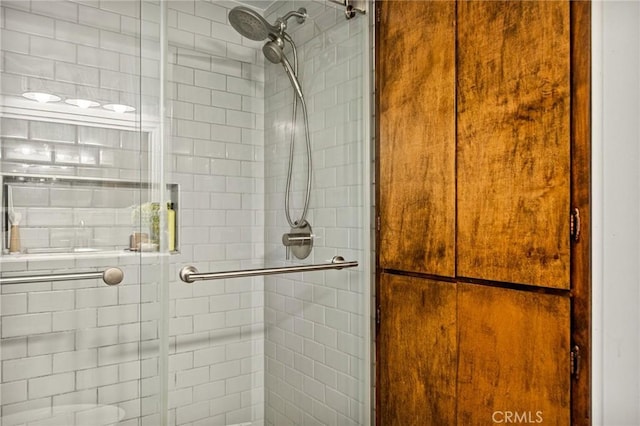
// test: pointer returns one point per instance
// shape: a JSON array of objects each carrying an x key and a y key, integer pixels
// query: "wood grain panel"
[
  {"x": 415, "y": 80},
  {"x": 513, "y": 356},
  {"x": 513, "y": 142},
  {"x": 416, "y": 381}
]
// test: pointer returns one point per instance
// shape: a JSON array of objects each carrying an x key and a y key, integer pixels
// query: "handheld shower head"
[
  {"x": 273, "y": 51},
  {"x": 252, "y": 25}
]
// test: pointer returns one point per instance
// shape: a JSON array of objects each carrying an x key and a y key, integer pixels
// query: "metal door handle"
[
  {"x": 189, "y": 274},
  {"x": 111, "y": 276}
]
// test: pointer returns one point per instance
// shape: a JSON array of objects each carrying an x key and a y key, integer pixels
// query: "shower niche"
[
  {"x": 71, "y": 186},
  {"x": 66, "y": 214}
]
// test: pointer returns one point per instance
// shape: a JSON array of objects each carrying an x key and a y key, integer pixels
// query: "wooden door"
[
  {"x": 513, "y": 357},
  {"x": 417, "y": 124},
  {"x": 513, "y": 142},
  {"x": 417, "y": 354}
]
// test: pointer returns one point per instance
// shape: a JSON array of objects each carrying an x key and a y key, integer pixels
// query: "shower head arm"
[{"x": 300, "y": 15}]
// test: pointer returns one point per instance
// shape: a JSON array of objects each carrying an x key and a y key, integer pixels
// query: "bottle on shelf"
[{"x": 171, "y": 227}]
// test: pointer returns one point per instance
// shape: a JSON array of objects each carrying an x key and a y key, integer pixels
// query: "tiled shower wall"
[
  {"x": 216, "y": 356},
  {"x": 315, "y": 322},
  {"x": 81, "y": 342}
]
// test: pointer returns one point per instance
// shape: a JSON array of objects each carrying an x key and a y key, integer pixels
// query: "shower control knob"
[
  {"x": 299, "y": 241},
  {"x": 296, "y": 239}
]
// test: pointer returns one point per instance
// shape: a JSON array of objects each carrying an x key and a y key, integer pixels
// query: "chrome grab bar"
[
  {"x": 190, "y": 274},
  {"x": 111, "y": 276}
]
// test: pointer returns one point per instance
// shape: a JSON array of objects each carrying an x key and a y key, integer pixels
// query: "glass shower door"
[
  {"x": 283, "y": 348},
  {"x": 84, "y": 208}
]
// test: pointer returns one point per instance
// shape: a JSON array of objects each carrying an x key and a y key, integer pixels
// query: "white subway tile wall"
[
  {"x": 216, "y": 372},
  {"x": 78, "y": 343},
  {"x": 315, "y": 324},
  {"x": 286, "y": 350}
]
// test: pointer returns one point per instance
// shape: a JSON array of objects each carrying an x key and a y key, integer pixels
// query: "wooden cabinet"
[
  {"x": 480, "y": 112},
  {"x": 513, "y": 142},
  {"x": 416, "y": 158},
  {"x": 513, "y": 356},
  {"x": 417, "y": 354},
  {"x": 474, "y": 143},
  {"x": 453, "y": 353}
]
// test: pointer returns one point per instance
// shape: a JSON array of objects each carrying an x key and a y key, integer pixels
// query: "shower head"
[
  {"x": 251, "y": 24},
  {"x": 273, "y": 51}
]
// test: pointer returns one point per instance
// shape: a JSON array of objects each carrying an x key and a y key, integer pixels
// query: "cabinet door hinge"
[
  {"x": 575, "y": 362},
  {"x": 574, "y": 224},
  {"x": 378, "y": 223},
  {"x": 377, "y": 316}
]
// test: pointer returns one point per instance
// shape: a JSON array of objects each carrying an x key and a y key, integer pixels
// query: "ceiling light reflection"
[
  {"x": 41, "y": 97},
  {"x": 82, "y": 103},
  {"x": 119, "y": 108}
]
